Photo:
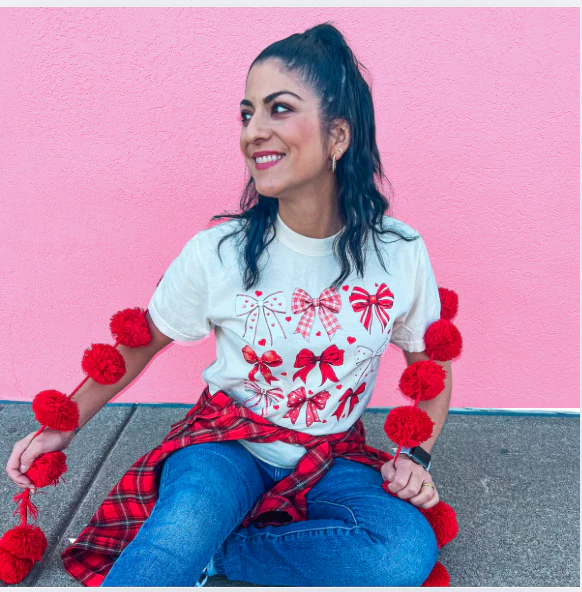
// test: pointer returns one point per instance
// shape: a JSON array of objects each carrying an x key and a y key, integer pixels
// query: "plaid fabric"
[
  {"x": 213, "y": 418},
  {"x": 328, "y": 303}
]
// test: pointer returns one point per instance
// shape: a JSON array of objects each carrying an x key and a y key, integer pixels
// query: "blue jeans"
[{"x": 356, "y": 534}]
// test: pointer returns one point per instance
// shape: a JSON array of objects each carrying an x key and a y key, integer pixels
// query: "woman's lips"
[{"x": 266, "y": 165}]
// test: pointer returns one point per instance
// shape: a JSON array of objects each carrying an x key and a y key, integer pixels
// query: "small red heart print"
[
  {"x": 318, "y": 333},
  {"x": 287, "y": 319},
  {"x": 324, "y": 421},
  {"x": 272, "y": 324},
  {"x": 246, "y": 300},
  {"x": 275, "y": 406},
  {"x": 258, "y": 292},
  {"x": 262, "y": 342},
  {"x": 376, "y": 285},
  {"x": 351, "y": 340},
  {"x": 345, "y": 288},
  {"x": 310, "y": 392},
  {"x": 250, "y": 326},
  {"x": 283, "y": 373},
  {"x": 338, "y": 386},
  {"x": 275, "y": 297}
]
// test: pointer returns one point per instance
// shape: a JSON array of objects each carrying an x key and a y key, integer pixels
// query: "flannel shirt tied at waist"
[{"x": 214, "y": 418}]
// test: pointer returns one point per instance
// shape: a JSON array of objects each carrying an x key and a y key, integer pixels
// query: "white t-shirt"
[{"x": 292, "y": 349}]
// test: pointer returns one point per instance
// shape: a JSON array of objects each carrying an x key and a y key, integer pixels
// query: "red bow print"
[
  {"x": 296, "y": 399},
  {"x": 352, "y": 396},
  {"x": 262, "y": 363},
  {"x": 306, "y": 360},
  {"x": 361, "y": 300},
  {"x": 328, "y": 303}
]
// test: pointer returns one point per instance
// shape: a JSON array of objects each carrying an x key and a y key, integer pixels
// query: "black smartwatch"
[{"x": 417, "y": 454}]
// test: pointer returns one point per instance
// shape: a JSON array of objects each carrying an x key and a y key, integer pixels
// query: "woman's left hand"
[{"x": 406, "y": 478}]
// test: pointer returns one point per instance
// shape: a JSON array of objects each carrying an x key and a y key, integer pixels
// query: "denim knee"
[{"x": 406, "y": 561}]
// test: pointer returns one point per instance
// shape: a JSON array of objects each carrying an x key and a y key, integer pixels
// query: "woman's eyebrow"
[{"x": 271, "y": 97}]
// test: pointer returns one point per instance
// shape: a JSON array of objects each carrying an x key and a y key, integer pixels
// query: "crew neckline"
[{"x": 306, "y": 245}]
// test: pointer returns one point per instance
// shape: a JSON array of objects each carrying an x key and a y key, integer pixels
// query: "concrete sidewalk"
[{"x": 514, "y": 481}]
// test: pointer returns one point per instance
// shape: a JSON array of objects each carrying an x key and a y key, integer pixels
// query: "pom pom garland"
[
  {"x": 449, "y": 304},
  {"x": 25, "y": 541},
  {"x": 47, "y": 469},
  {"x": 103, "y": 363},
  {"x": 130, "y": 327},
  {"x": 56, "y": 411},
  {"x": 443, "y": 341},
  {"x": 24, "y": 544},
  {"x": 438, "y": 578},
  {"x": 423, "y": 380},
  {"x": 13, "y": 569},
  {"x": 443, "y": 520},
  {"x": 410, "y": 426}
]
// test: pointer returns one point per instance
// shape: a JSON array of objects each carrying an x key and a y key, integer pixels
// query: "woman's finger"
[{"x": 424, "y": 496}]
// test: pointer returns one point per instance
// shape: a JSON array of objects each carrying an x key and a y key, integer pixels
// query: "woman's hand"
[
  {"x": 28, "y": 449},
  {"x": 406, "y": 478}
]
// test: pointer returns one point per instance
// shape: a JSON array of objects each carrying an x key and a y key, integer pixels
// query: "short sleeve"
[
  {"x": 409, "y": 328},
  {"x": 178, "y": 306}
]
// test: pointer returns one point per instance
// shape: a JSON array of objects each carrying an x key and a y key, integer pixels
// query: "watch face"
[{"x": 421, "y": 454}]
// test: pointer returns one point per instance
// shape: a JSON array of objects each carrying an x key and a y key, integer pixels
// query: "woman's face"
[{"x": 286, "y": 124}]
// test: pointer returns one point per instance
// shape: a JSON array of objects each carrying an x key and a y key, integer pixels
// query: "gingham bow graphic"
[
  {"x": 361, "y": 300},
  {"x": 367, "y": 361},
  {"x": 262, "y": 363},
  {"x": 328, "y": 303},
  {"x": 262, "y": 315},
  {"x": 306, "y": 360},
  {"x": 265, "y": 396},
  {"x": 352, "y": 396},
  {"x": 296, "y": 399}
]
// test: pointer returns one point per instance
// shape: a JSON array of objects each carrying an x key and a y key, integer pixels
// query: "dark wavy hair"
[{"x": 323, "y": 61}]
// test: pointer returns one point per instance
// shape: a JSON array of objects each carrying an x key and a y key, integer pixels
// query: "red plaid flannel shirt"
[{"x": 213, "y": 419}]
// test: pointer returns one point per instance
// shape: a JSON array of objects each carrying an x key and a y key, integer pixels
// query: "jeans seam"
[
  {"x": 268, "y": 534},
  {"x": 336, "y": 504}
]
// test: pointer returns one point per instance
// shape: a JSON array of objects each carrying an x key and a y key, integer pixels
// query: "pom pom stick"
[
  {"x": 24, "y": 544},
  {"x": 410, "y": 425}
]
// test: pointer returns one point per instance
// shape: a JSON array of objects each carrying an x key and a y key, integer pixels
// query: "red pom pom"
[
  {"x": 103, "y": 363},
  {"x": 130, "y": 327},
  {"x": 56, "y": 410},
  {"x": 449, "y": 304},
  {"x": 438, "y": 578},
  {"x": 25, "y": 541},
  {"x": 47, "y": 469},
  {"x": 408, "y": 425},
  {"x": 443, "y": 341},
  {"x": 13, "y": 569},
  {"x": 443, "y": 520},
  {"x": 424, "y": 377}
]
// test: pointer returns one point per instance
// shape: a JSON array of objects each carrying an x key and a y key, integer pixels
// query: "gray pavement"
[{"x": 514, "y": 481}]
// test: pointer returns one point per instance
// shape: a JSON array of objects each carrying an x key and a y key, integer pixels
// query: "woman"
[{"x": 293, "y": 340}]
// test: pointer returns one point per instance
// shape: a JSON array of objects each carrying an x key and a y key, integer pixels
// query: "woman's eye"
[{"x": 243, "y": 119}]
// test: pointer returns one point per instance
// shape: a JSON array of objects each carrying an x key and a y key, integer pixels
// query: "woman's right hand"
[{"x": 28, "y": 449}]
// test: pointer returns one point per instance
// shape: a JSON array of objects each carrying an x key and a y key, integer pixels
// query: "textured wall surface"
[{"x": 119, "y": 138}]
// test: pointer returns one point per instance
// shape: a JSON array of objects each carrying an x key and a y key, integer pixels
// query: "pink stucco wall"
[{"x": 119, "y": 138}]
